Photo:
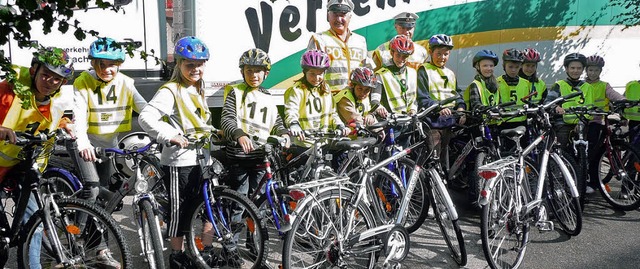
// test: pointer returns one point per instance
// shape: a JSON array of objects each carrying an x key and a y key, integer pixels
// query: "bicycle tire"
[
  {"x": 419, "y": 203},
  {"x": 581, "y": 183},
  {"x": 448, "y": 225},
  {"x": 248, "y": 232},
  {"x": 504, "y": 237},
  {"x": 274, "y": 238},
  {"x": 614, "y": 185},
  {"x": 82, "y": 252},
  {"x": 316, "y": 220},
  {"x": 565, "y": 208},
  {"x": 389, "y": 192},
  {"x": 151, "y": 236},
  {"x": 62, "y": 183}
]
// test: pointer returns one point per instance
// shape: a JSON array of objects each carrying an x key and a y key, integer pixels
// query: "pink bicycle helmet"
[{"x": 315, "y": 59}]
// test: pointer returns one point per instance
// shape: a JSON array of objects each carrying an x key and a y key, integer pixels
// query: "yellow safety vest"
[
  {"x": 632, "y": 92},
  {"x": 110, "y": 105},
  {"x": 363, "y": 106},
  {"x": 584, "y": 100},
  {"x": 30, "y": 120},
  {"x": 600, "y": 95},
  {"x": 344, "y": 56},
  {"x": 442, "y": 83},
  {"x": 540, "y": 87},
  {"x": 256, "y": 113},
  {"x": 401, "y": 98},
  {"x": 486, "y": 97},
  {"x": 513, "y": 93},
  {"x": 315, "y": 110},
  {"x": 194, "y": 114},
  {"x": 382, "y": 56}
]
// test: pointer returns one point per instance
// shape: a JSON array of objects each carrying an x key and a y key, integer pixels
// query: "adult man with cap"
[
  {"x": 347, "y": 50},
  {"x": 405, "y": 24}
]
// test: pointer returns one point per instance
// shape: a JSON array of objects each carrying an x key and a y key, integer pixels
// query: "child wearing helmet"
[
  {"x": 574, "y": 65},
  {"x": 529, "y": 72},
  {"x": 177, "y": 110},
  {"x": 405, "y": 24},
  {"x": 353, "y": 103},
  {"x": 512, "y": 88},
  {"x": 397, "y": 90},
  {"x": 308, "y": 104},
  {"x": 632, "y": 92},
  {"x": 483, "y": 91},
  {"x": 436, "y": 82},
  {"x": 104, "y": 103},
  {"x": 39, "y": 109}
]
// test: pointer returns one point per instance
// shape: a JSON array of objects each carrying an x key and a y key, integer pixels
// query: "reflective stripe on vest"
[
  {"x": 110, "y": 105},
  {"x": 194, "y": 115},
  {"x": 515, "y": 93},
  {"x": 442, "y": 83},
  {"x": 344, "y": 57},
  {"x": 315, "y": 111},
  {"x": 600, "y": 95},
  {"x": 584, "y": 100},
  {"x": 256, "y": 114},
  {"x": 632, "y": 92},
  {"x": 400, "y": 100}
]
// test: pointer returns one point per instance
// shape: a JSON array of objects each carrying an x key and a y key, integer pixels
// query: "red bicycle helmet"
[
  {"x": 363, "y": 76},
  {"x": 402, "y": 44},
  {"x": 531, "y": 55},
  {"x": 595, "y": 60}
]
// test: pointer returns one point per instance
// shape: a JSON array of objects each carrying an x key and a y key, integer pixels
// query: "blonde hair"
[{"x": 177, "y": 77}]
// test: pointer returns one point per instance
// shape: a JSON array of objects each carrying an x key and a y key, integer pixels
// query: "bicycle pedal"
[{"x": 544, "y": 226}]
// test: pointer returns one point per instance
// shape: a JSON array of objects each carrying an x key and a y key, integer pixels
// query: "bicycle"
[
  {"x": 508, "y": 207},
  {"x": 141, "y": 177},
  {"x": 617, "y": 164},
  {"x": 225, "y": 229},
  {"x": 340, "y": 223},
  {"x": 63, "y": 232}
]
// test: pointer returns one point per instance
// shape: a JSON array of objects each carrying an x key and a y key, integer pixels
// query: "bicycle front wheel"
[
  {"x": 447, "y": 219},
  {"x": 419, "y": 203},
  {"x": 618, "y": 174},
  {"x": 317, "y": 234},
  {"x": 504, "y": 236},
  {"x": 83, "y": 244},
  {"x": 151, "y": 238},
  {"x": 565, "y": 207},
  {"x": 235, "y": 237}
]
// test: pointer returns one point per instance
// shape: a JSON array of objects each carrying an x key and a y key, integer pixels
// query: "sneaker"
[
  {"x": 179, "y": 261},
  {"x": 590, "y": 190},
  {"x": 105, "y": 260}
]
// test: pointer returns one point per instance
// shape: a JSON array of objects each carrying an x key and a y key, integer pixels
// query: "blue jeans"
[{"x": 35, "y": 244}]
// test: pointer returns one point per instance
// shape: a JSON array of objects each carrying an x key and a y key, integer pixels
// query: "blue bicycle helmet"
[
  {"x": 485, "y": 54},
  {"x": 191, "y": 47},
  {"x": 440, "y": 40},
  {"x": 107, "y": 49},
  {"x": 54, "y": 59}
]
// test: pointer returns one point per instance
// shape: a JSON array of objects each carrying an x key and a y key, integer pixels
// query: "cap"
[
  {"x": 342, "y": 6},
  {"x": 406, "y": 19}
]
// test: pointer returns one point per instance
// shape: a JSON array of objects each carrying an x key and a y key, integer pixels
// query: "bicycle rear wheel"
[
  {"x": 236, "y": 236},
  {"x": 618, "y": 175},
  {"x": 80, "y": 242},
  {"x": 447, "y": 220},
  {"x": 504, "y": 237},
  {"x": 565, "y": 207},
  {"x": 315, "y": 237}
]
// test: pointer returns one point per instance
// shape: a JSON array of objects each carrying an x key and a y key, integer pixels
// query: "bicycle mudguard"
[{"x": 70, "y": 177}]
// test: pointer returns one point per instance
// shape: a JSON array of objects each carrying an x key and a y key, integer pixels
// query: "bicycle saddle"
[
  {"x": 354, "y": 144},
  {"x": 514, "y": 132}
]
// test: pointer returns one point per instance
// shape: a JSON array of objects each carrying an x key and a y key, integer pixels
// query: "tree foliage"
[{"x": 17, "y": 16}]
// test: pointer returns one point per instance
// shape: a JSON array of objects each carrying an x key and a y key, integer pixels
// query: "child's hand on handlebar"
[
  {"x": 179, "y": 140},
  {"x": 7, "y": 134},
  {"x": 88, "y": 154},
  {"x": 246, "y": 144}
]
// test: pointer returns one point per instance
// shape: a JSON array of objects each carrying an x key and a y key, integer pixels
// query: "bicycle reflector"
[
  {"x": 296, "y": 194},
  {"x": 489, "y": 183}
]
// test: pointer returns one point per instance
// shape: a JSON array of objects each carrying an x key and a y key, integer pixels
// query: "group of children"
[{"x": 105, "y": 99}]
